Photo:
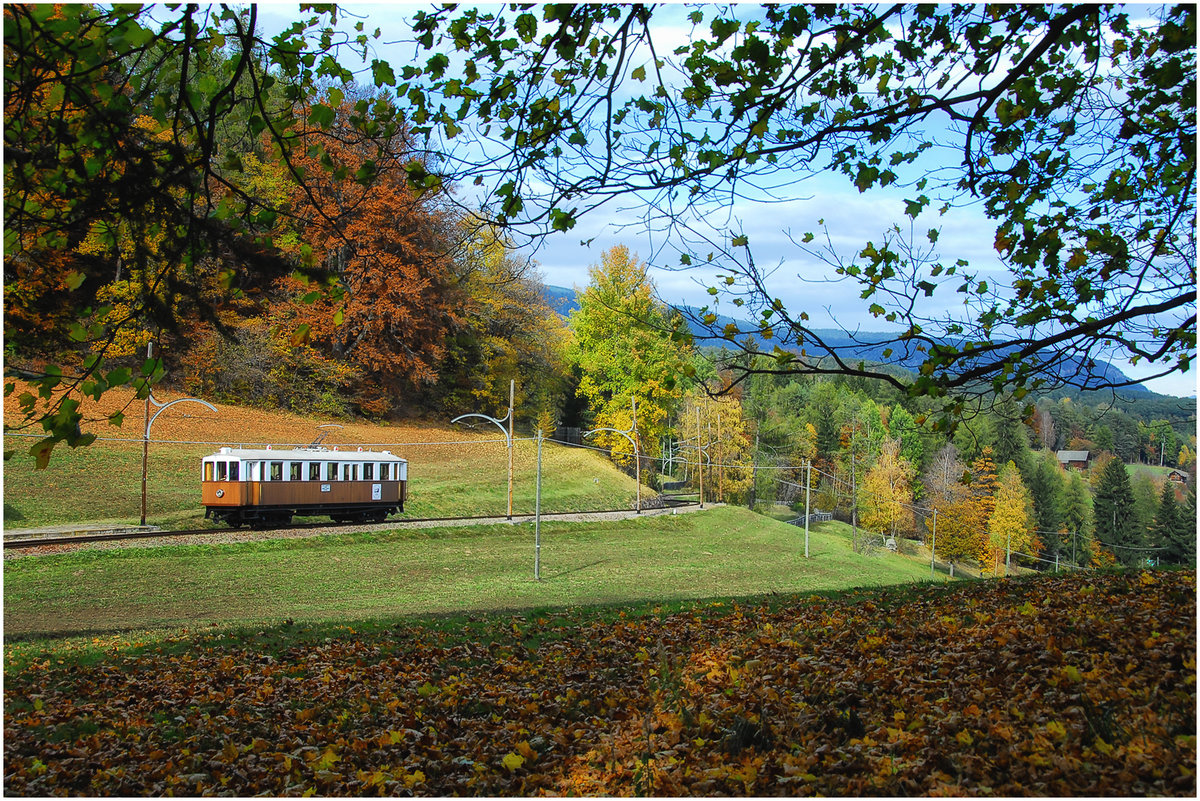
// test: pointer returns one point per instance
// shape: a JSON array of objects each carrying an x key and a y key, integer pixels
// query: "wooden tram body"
[{"x": 263, "y": 487}]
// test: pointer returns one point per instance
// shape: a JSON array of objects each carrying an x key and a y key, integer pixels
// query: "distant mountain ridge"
[{"x": 564, "y": 301}]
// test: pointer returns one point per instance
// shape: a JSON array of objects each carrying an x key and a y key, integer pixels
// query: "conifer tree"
[
  {"x": 1077, "y": 512},
  {"x": 1174, "y": 531},
  {"x": 1116, "y": 526},
  {"x": 1046, "y": 486},
  {"x": 1010, "y": 438}
]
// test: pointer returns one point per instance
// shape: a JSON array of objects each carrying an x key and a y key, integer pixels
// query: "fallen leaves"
[{"x": 1080, "y": 684}]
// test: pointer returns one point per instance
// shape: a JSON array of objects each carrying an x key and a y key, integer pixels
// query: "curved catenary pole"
[
  {"x": 508, "y": 436},
  {"x": 162, "y": 407},
  {"x": 637, "y": 458}
]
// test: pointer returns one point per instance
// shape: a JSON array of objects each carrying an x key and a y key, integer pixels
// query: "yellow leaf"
[
  {"x": 327, "y": 760},
  {"x": 964, "y": 738},
  {"x": 1072, "y": 673},
  {"x": 1102, "y": 746},
  {"x": 1056, "y": 730},
  {"x": 525, "y": 750},
  {"x": 1147, "y": 579},
  {"x": 513, "y": 761}
]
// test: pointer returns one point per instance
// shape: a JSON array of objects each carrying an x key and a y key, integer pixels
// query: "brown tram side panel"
[{"x": 300, "y": 493}]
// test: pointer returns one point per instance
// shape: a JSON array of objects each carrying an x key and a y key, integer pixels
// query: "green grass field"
[
  {"x": 717, "y": 553},
  {"x": 102, "y": 483}
]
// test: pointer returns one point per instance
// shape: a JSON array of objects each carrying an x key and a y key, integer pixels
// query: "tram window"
[
  {"x": 294, "y": 471},
  {"x": 208, "y": 471},
  {"x": 221, "y": 471},
  {"x": 276, "y": 471},
  {"x": 346, "y": 472},
  {"x": 314, "y": 471},
  {"x": 331, "y": 471},
  {"x": 233, "y": 471},
  {"x": 368, "y": 471}
]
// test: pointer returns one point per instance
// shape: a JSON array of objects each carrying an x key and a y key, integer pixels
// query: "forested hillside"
[{"x": 240, "y": 216}]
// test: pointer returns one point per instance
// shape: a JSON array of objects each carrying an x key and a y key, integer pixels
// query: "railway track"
[{"x": 78, "y": 539}]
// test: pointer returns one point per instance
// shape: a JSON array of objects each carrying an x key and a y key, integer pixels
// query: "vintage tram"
[{"x": 267, "y": 487}]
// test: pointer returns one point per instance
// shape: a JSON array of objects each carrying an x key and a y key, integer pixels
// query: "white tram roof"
[{"x": 349, "y": 453}]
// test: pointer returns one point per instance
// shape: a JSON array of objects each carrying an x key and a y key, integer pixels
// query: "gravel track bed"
[{"x": 221, "y": 537}]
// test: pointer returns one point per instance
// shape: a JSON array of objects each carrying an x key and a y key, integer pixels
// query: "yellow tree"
[
  {"x": 717, "y": 423},
  {"x": 626, "y": 348},
  {"x": 510, "y": 333},
  {"x": 1010, "y": 527},
  {"x": 964, "y": 503},
  {"x": 885, "y": 494}
]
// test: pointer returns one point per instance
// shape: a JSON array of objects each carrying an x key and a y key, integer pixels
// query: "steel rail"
[{"x": 77, "y": 539}]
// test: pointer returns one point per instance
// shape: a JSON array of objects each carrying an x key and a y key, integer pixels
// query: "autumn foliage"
[
  {"x": 1070, "y": 685},
  {"x": 387, "y": 247}
]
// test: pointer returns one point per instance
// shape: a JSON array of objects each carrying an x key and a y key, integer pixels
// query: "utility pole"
[
  {"x": 853, "y": 498},
  {"x": 720, "y": 462},
  {"x": 754, "y": 471},
  {"x": 933, "y": 547},
  {"x": 699, "y": 453},
  {"x": 146, "y": 437},
  {"x": 512, "y": 395},
  {"x": 537, "y": 515},
  {"x": 807, "y": 508},
  {"x": 637, "y": 457},
  {"x": 1007, "y": 551},
  {"x": 709, "y": 441}
]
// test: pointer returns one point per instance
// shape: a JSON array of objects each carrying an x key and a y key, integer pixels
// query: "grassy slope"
[
  {"x": 721, "y": 552},
  {"x": 452, "y": 471}
]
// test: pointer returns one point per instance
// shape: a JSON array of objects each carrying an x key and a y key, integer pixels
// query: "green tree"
[
  {"x": 759, "y": 99},
  {"x": 1046, "y": 489},
  {"x": 1173, "y": 531},
  {"x": 1010, "y": 437},
  {"x": 1078, "y": 514},
  {"x": 1115, "y": 523},
  {"x": 1146, "y": 494},
  {"x": 627, "y": 348},
  {"x": 912, "y": 444}
]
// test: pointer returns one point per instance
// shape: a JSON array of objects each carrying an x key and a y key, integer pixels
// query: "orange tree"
[
  {"x": 389, "y": 249},
  {"x": 510, "y": 333}
]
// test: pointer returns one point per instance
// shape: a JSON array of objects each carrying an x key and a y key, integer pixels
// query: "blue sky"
[{"x": 800, "y": 280}]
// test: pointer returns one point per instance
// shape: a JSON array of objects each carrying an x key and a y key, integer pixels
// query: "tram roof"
[{"x": 306, "y": 455}]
